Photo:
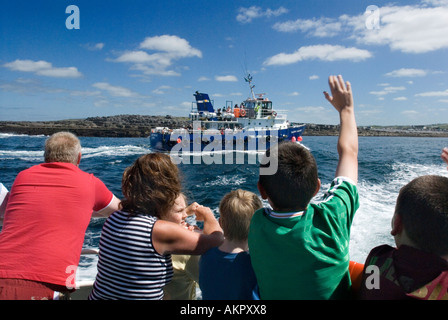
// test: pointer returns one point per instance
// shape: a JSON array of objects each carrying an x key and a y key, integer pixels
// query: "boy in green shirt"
[{"x": 301, "y": 250}]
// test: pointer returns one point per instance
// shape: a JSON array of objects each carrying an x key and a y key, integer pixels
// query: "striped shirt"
[{"x": 128, "y": 266}]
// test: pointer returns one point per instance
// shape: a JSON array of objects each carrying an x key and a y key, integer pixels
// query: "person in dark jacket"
[{"x": 418, "y": 267}]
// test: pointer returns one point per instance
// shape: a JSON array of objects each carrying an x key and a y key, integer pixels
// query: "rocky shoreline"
[
  {"x": 141, "y": 126},
  {"x": 112, "y": 126}
]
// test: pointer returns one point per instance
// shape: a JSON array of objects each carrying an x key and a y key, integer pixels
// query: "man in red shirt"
[{"x": 47, "y": 214}]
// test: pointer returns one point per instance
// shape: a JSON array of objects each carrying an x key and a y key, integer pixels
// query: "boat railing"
[
  {"x": 87, "y": 251},
  {"x": 282, "y": 116}
]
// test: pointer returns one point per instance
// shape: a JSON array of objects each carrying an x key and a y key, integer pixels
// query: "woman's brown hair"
[{"x": 150, "y": 185}]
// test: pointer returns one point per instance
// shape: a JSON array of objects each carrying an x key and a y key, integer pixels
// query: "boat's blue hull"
[{"x": 252, "y": 140}]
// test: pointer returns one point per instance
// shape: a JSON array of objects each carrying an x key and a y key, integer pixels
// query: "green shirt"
[{"x": 305, "y": 255}]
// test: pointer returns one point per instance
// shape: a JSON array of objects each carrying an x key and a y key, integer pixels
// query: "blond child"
[{"x": 225, "y": 272}]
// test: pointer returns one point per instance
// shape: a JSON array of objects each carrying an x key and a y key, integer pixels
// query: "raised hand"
[{"x": 341, "y": 93}]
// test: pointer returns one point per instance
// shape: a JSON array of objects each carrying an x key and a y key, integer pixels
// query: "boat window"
[{"x": 267, "y": 105}]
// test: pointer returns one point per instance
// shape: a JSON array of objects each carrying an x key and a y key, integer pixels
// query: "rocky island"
[
  {"x": 141, "y": 126},
  {"x": 112, "y": 126}
]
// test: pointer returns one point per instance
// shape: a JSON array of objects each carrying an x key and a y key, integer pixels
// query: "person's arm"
[
  {"x": 113, "y": 206},
  {"x": 342, "y": 100},
  {"x": 169, "y": 237},
  {"x": 445, "y": 155}
]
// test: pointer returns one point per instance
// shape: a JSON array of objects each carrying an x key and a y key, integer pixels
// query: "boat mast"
[{"x": 249, "y": 79}]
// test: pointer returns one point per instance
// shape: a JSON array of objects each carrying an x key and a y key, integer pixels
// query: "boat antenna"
[{"x": 249, "y": 80}]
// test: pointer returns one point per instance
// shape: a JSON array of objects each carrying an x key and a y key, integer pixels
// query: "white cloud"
[
  {"x": 28, "y": 65},
  {"x": 387, "y": 90},
  {"x": 314, "y": 77},
  {"x": 29, "y": 86},
  {"x": 99, "y": 46},
  {"x": 161, "y": 89},
  {"x": 115, "y": 91},
  {"x": 324, "y": 52},
  {"x": 94, "y": 47},
  {"x": 323, "y": 27},
  {"x": 168, "y": 49},
  {"x": 410, "y": 29},
  {"x": 379, "y": 93},
  {"x": 433, "y": 94},
  {"x": 101, "y": 103},
  {"x": 142, "y": 57},
  {"x": 407, "y": 73},
  {"x": 400, "y": 99},
  {"x": 86, "y": 93},
  {"x": 311, "y": 109},
  {"x": 394, "y": 89},
  {"x": 436, "y": 2},
  {"x": 414, "y": 29},
  {"x": 43, "y": 68},
  {"x": 203, "y": 78},
  {"x": 409, "y": 112},
  {"x": 226, "y": 78},
  {"x": 70, "y": 72},
  {"x": 173, "y": 45},
  {"x": 156, "y": 70},
  {"x": 246, "y": 15}
]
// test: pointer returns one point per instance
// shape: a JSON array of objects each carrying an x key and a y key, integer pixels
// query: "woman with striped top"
[{"x": 137, "y": 242}]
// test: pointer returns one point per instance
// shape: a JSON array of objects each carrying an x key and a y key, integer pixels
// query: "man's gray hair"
[{"x": 62, "y": 147}]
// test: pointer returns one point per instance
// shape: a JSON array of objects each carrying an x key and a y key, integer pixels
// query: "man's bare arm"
[{"x": 113, "y": 206}]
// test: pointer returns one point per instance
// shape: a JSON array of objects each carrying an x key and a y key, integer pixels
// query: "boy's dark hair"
[
  {"x": 423, "y": 207},
  {"x": 294, "y": 183}
]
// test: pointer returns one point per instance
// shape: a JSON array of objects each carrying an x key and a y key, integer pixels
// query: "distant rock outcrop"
[
  {"x": 112, "y": 126},
  {"x": 141, "y": 126}
]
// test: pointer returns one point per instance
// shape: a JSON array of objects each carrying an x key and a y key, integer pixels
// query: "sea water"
[{"x": 385, "y": 165}]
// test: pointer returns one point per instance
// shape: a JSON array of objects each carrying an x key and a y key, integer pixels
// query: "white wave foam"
[
  {"x": 11, "y": 135},
  {"x": 225, "y": 181},
  {"x": 105, "y": 151},
  {"x": 87, "y": 267},
  {"x": 102, "y": 151},
  {"x": 21, "y": 155}
]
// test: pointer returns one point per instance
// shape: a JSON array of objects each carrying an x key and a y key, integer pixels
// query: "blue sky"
[{"x": 149, "y": 57}]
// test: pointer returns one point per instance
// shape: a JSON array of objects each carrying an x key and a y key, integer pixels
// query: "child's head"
[
  {"x": 178, "y": 212},
  {"x": 150, "y": 185},
  {"x": 421, "y": 213},
  {"x": 236, "y": 210},
  {"x": 295, "y": 181}
]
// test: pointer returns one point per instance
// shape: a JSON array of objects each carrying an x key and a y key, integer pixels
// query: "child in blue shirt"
[{"x": 225, "y": 272}]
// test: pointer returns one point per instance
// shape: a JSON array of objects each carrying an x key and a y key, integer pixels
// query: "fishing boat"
[{"x": 252, "y": 125}]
